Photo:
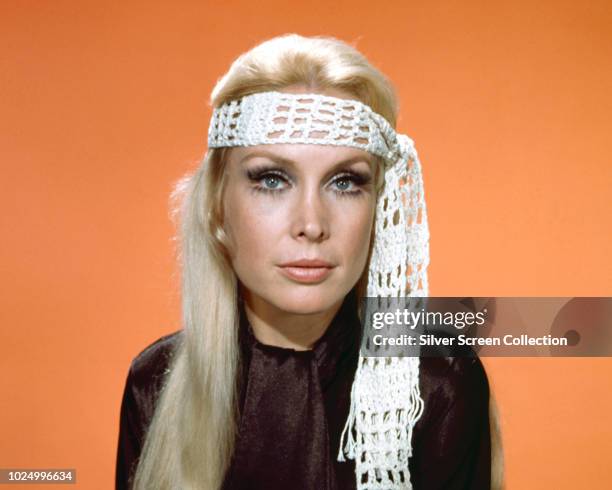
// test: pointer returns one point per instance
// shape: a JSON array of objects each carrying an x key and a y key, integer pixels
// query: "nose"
[{"x": 310, "y": 216}]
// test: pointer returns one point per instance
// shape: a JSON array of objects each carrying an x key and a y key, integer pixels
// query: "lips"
[
  {"x": 307, "y": 270},
  {"x": 308, "y": 263}
]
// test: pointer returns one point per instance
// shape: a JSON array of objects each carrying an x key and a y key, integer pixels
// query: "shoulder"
[
  {"x": 144, "y": 381},
  {"x": 152, "y": 363},
  {"x": 451, "y": 440}
]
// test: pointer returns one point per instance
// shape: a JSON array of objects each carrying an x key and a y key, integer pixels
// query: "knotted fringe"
[{"x": 385, "y": 405}]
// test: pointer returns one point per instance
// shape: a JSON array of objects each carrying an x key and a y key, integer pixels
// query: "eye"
[
  {"x": 268, "y": 180},
  {"x": 344, "y": 183},
  {"x": 271, "y": 181},
  {"x": 350, "y": 183}
]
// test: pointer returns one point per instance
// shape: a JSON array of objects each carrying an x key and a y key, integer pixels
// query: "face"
[{"x": 299, "y": 219}]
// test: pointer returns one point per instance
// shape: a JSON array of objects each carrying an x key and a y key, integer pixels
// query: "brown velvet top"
[{"x": 294, "y": 405}]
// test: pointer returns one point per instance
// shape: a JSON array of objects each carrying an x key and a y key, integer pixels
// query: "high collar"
[{"x": 341, "y": 338}]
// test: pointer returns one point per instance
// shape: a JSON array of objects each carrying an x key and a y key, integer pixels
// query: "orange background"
[{"x": 104, "y": 105}]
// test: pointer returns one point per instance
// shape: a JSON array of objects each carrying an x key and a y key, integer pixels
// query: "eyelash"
[{"x": 260, "y": 173}]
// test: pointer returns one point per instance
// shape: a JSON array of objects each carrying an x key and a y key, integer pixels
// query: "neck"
[{"x": 272, "y": 326}]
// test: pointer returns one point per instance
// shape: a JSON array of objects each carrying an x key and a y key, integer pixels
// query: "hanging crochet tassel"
[
  {"x": 386, "y": 390},
  {"x": 349, "y": 426}
]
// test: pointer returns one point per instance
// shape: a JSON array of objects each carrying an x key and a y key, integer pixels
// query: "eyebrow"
[{"x": 288, "y": 162}]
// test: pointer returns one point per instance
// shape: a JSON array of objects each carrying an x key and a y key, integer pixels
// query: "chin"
[{"x": 307, "y": 301}]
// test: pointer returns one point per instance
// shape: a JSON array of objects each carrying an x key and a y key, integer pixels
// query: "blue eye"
[
  {"x": 344, "y": 183},
  {"x": 272, "y": 181},
  {"x": 350, "y": 184},
  {"x": 267, "y": 180}
]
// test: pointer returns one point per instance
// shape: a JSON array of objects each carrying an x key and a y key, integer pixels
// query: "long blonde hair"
[{"x": 190, "y": 440}]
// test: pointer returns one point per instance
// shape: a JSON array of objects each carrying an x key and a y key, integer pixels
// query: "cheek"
[
  {"x": 251, "y": 227},
  {"x": 356, "y": 233}
]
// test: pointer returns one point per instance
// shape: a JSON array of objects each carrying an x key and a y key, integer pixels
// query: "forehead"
[{"x": 302, "y": 155}]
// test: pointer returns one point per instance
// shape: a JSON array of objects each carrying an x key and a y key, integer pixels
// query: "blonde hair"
[{"x": 190, "y": 440}]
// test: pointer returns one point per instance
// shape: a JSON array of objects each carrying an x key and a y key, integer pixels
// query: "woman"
[{"x": 306, "y": 201}]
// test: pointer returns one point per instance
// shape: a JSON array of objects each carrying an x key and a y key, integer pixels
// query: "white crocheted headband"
[{"x": 385, "y": 396}]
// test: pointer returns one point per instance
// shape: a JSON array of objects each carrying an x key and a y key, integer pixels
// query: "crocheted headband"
[{"x": 385, "y": 396}]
